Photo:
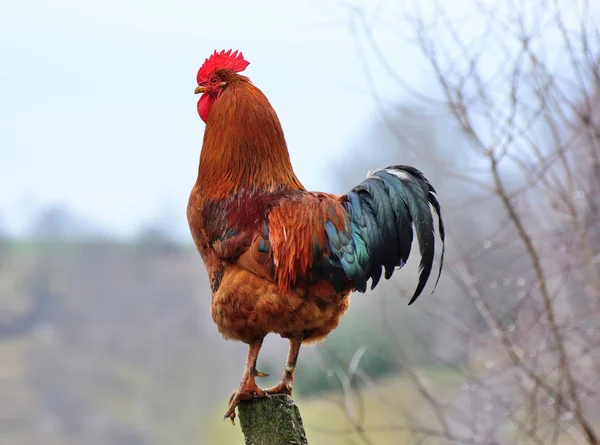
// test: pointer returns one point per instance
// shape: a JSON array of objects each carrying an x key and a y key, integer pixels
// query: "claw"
[
  {"x": 230, "y": 416},
  {"x": 247, "y": 391}
]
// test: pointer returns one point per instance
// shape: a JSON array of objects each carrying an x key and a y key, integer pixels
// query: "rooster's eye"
[{"x": 213, "y": 80}]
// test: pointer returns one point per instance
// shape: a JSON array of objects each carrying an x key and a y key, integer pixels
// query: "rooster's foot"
[
  {"x": 247, "y": 391},
  {"x": 283, "y": 387},
  {"x": 286, "y": 384}
]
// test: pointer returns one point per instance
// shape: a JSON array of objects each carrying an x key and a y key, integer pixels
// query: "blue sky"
[{"x": 97, "y": 107}]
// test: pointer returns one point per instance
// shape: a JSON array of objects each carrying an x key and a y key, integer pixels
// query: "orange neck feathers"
[{"x": 244, "y": 146}]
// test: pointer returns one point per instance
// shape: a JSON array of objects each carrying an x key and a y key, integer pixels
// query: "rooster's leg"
[
  {"x": 287, "y": 380},
  {"x": 248, "y": 388}
]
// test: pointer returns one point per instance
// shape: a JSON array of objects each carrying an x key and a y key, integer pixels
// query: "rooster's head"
[{"x": 214, "y": 75}]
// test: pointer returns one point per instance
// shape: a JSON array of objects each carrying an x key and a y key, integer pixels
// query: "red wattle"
[{"x": 204, "y": 105}]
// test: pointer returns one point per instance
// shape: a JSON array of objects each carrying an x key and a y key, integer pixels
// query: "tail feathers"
[{"x": 383, "y": 210}]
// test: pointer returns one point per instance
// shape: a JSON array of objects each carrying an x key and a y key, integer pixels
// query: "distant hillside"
[
  {"x": 102, "y": 340},
  {"x": 109, "y": 342}
]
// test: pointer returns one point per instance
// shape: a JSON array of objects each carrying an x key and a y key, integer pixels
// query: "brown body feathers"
[{"x": 246, "y": 183}]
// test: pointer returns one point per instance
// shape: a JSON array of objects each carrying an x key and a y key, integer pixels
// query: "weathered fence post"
[{"x": 272, "y": 420}]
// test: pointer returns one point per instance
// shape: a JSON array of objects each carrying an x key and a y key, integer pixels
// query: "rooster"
[{"x": 281, "y": 259}]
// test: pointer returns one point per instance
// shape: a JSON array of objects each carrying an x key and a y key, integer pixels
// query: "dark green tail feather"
[{"x": 383, "y": 210}]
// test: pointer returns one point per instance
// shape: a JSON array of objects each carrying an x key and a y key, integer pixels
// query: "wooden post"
[{"x": 272, "y": 420}]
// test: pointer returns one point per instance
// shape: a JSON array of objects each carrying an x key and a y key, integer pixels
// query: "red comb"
[{"x": 228, "y": 60}]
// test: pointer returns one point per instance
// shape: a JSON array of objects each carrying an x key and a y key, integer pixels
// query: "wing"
[
  {"x": 281, "y": 237},
  {"x": 237, "y": 230}
]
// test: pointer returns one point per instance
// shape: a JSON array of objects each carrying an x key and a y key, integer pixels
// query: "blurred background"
[{"x": 105, "y": 327}]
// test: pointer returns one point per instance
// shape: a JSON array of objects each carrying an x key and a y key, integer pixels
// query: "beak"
[{"x": 199, "y": 89}]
